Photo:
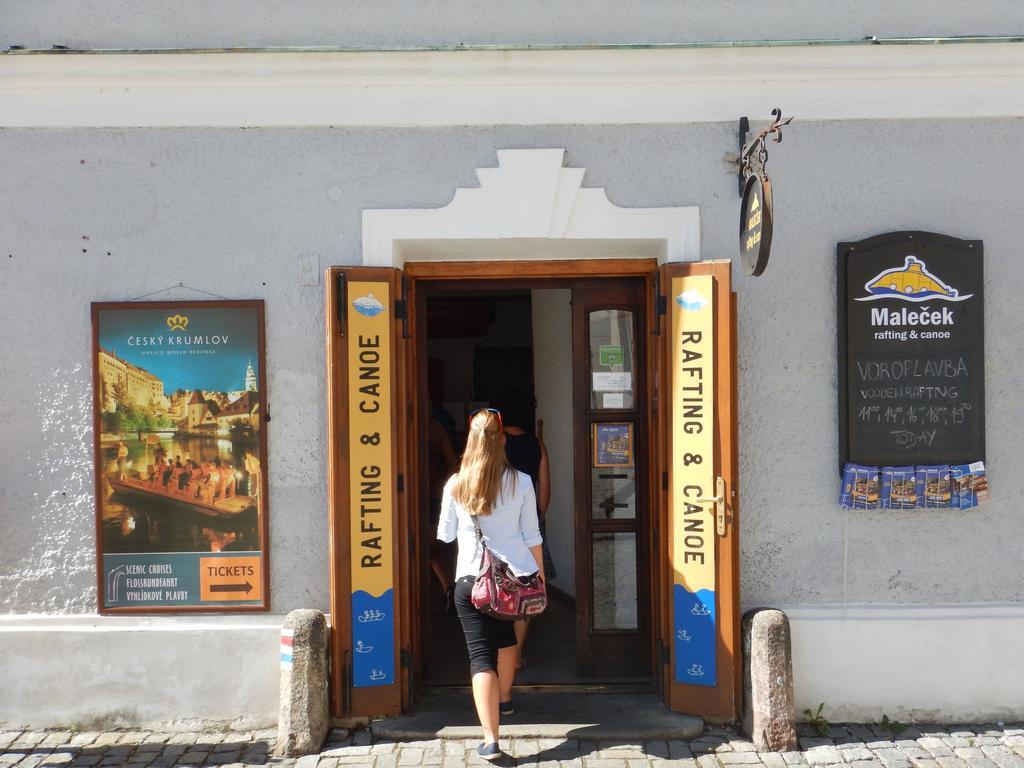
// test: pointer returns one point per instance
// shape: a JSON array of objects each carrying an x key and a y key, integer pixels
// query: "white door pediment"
[{"x": 529, "y": 207}]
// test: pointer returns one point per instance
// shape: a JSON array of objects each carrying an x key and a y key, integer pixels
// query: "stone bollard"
[
  {"x": 303, "y": 715},
  {"x": 768, "y": 709}
]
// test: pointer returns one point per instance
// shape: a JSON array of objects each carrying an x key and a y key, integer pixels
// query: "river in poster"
[{"x": 180, "y": 458}]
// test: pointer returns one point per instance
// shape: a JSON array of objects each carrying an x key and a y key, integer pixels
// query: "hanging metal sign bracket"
[
  {"x": 756, "y": 193},
  {"x": 742, "y": 135}
]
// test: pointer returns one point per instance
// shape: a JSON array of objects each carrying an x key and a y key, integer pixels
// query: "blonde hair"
[{"x": 484, "y": 465}]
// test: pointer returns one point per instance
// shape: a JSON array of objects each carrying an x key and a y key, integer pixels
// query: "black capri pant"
[{"x": 484, "y": 634}]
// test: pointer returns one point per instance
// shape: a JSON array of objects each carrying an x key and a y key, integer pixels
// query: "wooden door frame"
[
  {"x": 410, "y": 425},
  {"x": 726, "y": 419},
  {"x": 583, "y": 416},
  {"x": 346, "y": 701},
  {"x": 474, "y": 276}
]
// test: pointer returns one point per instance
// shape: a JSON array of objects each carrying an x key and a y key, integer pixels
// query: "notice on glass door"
[{"x": 615, "y": 381}]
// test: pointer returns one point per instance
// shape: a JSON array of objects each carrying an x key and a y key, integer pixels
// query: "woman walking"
[
  {"x": 527, "y": 453},
  {"x": 502, "y": 501}
]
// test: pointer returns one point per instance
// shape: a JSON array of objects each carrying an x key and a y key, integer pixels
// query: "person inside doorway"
[
  {"x": 501, "y": 500},
  {"x": 442, "y": 461},
  {"x": 526, "y": 453}
]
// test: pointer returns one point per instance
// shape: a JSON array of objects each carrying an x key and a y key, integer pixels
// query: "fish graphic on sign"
[
  {"x": 368, "y": 305},
  {"x": 911, "y": 282}
]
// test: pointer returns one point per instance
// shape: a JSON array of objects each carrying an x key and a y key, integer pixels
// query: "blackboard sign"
[{"x": 911, "y": 350}]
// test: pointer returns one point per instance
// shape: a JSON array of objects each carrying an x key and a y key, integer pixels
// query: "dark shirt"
[{"x": 523, "y": 453}]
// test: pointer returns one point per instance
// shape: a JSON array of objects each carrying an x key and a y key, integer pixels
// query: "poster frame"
[
  {"x": 263, "y": 527},
  {"x": 596, "y": 429},
  {"x": 845, "y": 250}
]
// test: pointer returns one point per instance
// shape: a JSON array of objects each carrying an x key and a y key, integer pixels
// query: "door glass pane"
[
  {"x": 612, "y": 493},
  {"x": 615, "y": 588},
  {"x": 611, "y": 359}
]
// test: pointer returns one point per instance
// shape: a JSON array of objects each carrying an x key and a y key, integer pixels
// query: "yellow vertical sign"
[
  {"x": 370, "y": 443},
  {"x": 692, "y": 384}
]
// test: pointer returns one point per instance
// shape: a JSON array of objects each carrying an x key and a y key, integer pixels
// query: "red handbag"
[{"x": 500, "y": 593}]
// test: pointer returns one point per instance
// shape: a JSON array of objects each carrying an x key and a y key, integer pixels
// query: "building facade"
[
  {"x": 515, "y": 141},
  {"x": 138, "y": 387}
]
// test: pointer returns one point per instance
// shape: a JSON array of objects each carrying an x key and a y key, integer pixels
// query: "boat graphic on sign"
[
  {"x": 911, "y": 282},
  {"x": 691, "y": 300},
  {"x": 368, "y": 305}
]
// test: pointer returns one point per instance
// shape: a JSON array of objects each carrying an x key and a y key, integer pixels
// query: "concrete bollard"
[
  {"x": 303, "y": 715},
  {"x": 769, "y": 717}
]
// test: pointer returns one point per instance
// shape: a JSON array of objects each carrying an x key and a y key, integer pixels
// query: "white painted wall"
[
  {"x": 552, "y": 376},
  {"x": 137, "y": 23},
  {"x": 531, "y": 87},
  {"x": 231, "y": 211}
]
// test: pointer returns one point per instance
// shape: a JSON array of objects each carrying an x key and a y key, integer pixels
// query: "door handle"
[{"x": 718, "y": 500}]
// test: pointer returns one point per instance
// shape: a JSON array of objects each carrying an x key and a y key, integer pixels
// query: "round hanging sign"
[{"x": 756, "y": 224}]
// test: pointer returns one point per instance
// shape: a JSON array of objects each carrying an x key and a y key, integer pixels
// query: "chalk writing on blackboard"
[{"x": 911, "y": 350}]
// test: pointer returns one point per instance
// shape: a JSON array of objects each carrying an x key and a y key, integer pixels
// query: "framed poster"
[
  {"x": 179, "y": 406},
  {"x": 613, "y": 444}
]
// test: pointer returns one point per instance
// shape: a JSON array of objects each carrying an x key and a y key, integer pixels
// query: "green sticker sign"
[{"x": 610, "y": 354}]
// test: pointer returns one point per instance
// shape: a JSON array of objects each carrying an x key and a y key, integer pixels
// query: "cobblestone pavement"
[{"x": 859, "y": 746}]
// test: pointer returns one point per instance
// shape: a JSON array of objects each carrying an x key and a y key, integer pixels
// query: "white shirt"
[{"x": 510, "y": 530}]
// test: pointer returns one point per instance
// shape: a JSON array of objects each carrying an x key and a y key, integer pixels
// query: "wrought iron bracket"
[
  {"x": 744, "y": 129},
  {"x": 754, "y": 156}
]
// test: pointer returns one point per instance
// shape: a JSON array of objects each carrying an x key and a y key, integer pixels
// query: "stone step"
[{"x": 587, "y": 716}]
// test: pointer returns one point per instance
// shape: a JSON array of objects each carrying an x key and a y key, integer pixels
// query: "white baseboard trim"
[
  {"x": 173, "y": 673},
  {"x": 914, "y": 663}
]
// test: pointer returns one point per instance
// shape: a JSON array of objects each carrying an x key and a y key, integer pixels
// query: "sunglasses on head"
[{"x": 495, "y": 411}]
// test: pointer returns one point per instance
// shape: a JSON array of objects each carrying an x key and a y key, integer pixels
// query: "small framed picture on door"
[{"x": 613, "y": 444}]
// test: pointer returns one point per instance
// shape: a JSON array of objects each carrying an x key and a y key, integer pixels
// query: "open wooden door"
[
  {"x": 695, "y": 442},
  {"x": 367, "y": 364},
  {"x": 613, "y": 616}
]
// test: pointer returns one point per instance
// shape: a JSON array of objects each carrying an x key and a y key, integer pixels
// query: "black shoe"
[
  {"x": 506, "y": 707},
  {"x": 489, "y": 751}
]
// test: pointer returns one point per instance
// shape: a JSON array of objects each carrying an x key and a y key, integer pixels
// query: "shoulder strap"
[{"x": 480, "y": 538}]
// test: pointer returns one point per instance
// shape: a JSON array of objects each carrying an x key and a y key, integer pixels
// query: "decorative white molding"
[
  {"x": 585, "y": 87},
  {"x": 529, "y": 207}
]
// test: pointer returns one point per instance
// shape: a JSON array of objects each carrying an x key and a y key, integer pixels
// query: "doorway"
[
  {"x": 635, "y": 355},
  {"x": 561, "y": 361}
]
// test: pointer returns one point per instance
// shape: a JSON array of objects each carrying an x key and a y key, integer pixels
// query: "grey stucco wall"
[
  {"x": 391, "y": 23},
  {"x": 93, "y": 215}
]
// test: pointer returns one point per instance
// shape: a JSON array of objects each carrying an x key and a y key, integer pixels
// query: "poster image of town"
[
  {"x": 613, "y": 445},
  {"x": 180, "y": 456}
]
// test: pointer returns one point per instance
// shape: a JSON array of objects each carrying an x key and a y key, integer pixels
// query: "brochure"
[{"x": 860, "y": 487}]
